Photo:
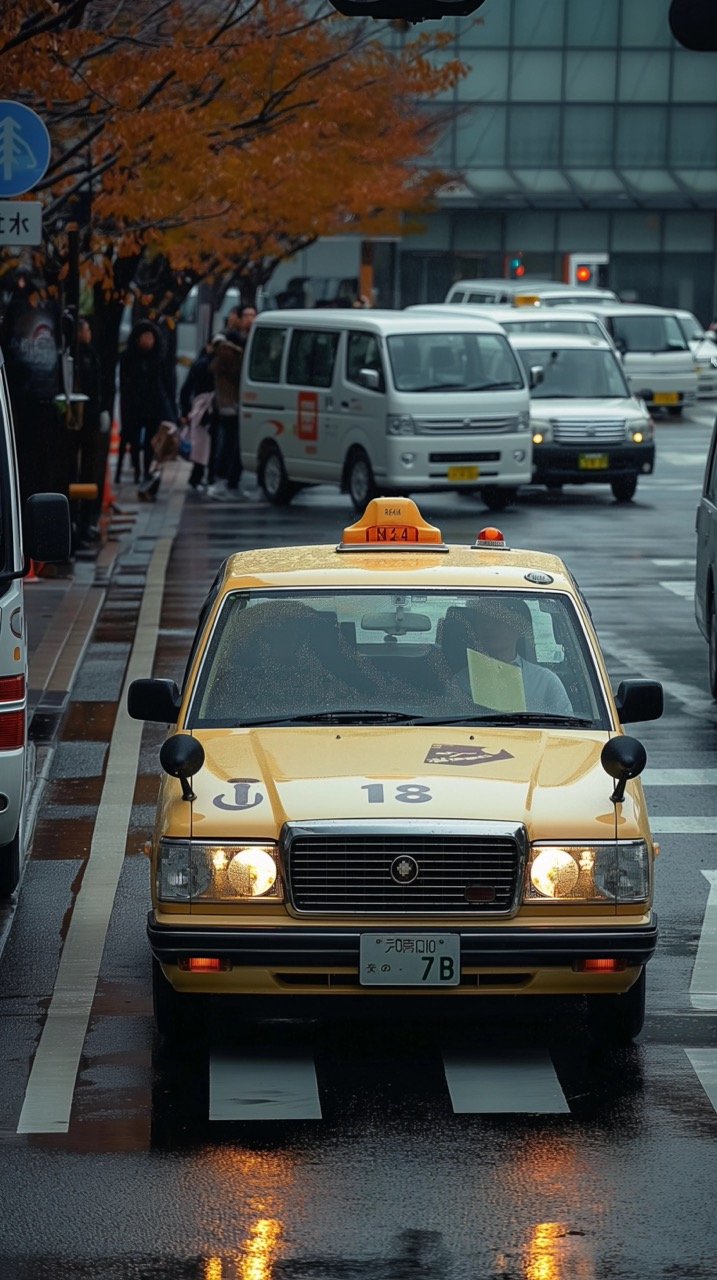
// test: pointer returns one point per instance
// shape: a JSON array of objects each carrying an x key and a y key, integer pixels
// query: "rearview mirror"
[
  {"x": 537, "y": 374},
  {"x": 47, "y": 527},
  {"x": 154, "y": 700},
  {"x": 639, "y": 700},
  {"x": 370, "y": 379}
]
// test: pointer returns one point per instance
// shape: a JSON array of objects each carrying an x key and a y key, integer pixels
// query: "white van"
[
  {"x": 658, "y": 363},
  {"x": 383, "y": 400},
  {"x": 703, "y": 345},
  {"x": 526, "y": 292},
  {"x": 47, "y": 536},
  {"x": 530, "y": 320}
]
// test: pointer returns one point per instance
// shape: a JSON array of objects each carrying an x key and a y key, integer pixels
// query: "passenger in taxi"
[{"x": 501, "y": 631}]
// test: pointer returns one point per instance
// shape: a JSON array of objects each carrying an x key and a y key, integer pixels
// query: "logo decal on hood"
[
  {"x": 460, "y": 754},
  {"x": 242, "y": 793}
]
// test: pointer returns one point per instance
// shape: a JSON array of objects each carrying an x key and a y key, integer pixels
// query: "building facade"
[{"x": 579, "y": 127}]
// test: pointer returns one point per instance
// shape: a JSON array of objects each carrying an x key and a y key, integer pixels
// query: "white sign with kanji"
[{"x": 20, "y": 222}]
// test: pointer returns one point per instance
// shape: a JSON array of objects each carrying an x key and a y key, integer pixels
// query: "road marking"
[
  {"x": 257, "y": 1086},
  {"x": 685, "y": 589},
  {"x": 680, "y": 777},
  {"x": 684, "y": 825},
  {"x": 692, "y": 699},
  {"x": 703, "y": 984},
  {"x": 674, "y": 564},
  {"x": 704, "y": 1062},
  {"x": 496, "y": 1084},
  {"x": 50, "y": 1088}
]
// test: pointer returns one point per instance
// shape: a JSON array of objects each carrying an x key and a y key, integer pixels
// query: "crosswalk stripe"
[
  {"x": 685, "y": 589},
  {"x": 687, "y": 825},
  {"x": 704, "y": 1062},
  {"x": 259, "y": 1086},
  {"x": 680, "y": 777},
  {"x": 497, "y": 1084}
]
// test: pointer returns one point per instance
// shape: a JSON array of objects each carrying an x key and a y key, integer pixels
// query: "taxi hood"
[{"x": 255, "y": 780}]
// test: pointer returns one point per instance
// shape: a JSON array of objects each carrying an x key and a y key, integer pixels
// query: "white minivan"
[
  {"x": 46, "y": 520},
  {"x": 384, "y": 400},
  {"x": 658, "y": 363}
]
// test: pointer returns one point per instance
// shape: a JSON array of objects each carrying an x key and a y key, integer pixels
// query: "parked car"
[
  {"x": 527, "y": 319},
  {"x": 703, "y": 345},
  {"x": 526, "y": 293},
  {"x": 656, "y": 356},
  {"x": 587, "y": 427},
  {"x": 706, "y": 568}
]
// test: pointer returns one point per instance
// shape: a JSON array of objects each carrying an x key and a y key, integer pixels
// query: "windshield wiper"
[
  {"x": 370, "y": 716},
  {"x": 510, "y": 718},
  {"x": 494, "y": 386}
]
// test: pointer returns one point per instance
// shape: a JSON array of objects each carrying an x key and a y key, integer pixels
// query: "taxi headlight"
[
  {"x": 614, "y": 871},
  {"x": 400, "y": 424},
  {"x": 192, "y": 871}
]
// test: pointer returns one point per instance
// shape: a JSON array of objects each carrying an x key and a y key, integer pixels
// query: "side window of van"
[
  {"x": 484, "y": 298},
  {"x": 311, "y": 357},
  {"x": 457, "y": 296},
  {"x": 266, "y": 348},
  {"x": 362, "y": 353}
]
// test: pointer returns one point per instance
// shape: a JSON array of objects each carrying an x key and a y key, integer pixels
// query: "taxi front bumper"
[{"x": 492, "y": 947}]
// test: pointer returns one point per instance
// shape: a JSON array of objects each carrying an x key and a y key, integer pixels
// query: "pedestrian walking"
[
  {"x": 144, "y": 399},
  {"x": 197, "y": 410},
  {"x": 226, "y": 368}
]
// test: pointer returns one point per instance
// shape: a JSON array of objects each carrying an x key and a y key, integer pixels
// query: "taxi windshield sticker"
[
  {"x": 461, "y": 754},
  {"x": 495, "y": 684}
]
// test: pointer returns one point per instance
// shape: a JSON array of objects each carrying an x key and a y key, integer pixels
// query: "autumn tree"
[{"x": 215, "y": 140}]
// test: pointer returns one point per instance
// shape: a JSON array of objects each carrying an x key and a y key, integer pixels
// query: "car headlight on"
[
  {"x": 613, "y": 871},
  {"x": 194, "y": 871},
  {"x": 641, "y": 432},
  {"x": 400, "y": 424},
  {"x": 542, "y": 430}
]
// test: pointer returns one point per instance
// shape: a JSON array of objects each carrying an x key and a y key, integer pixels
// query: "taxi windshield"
[
  {"x": 453, "y": 362},
  {"x": 575, "y": 373},
  {"x": 382, "y": 657}
]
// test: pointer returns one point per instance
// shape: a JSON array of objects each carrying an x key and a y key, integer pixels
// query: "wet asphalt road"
[{"x": 604, "y": 1168}]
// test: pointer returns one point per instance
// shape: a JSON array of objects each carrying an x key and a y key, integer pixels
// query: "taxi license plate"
[
  {"x": 410, "y": 959},
  {"x": 593, "y": 461},
  {"x": 463, "y": 473},
  {"x": 666, "y": 397}
]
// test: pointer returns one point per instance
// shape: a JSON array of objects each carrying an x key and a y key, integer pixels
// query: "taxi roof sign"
[{"x": 392, "y": 524}]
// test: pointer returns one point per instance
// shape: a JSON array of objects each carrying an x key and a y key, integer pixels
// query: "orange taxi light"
[
  {"x": 601, "y": 966},
  {"x": 526, "y": 300},
  {"x": 393, "y": 521},
  {"x": 491, "y": 537}
]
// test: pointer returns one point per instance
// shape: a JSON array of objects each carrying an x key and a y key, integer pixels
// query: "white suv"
[{"x": 587, "y": 427}]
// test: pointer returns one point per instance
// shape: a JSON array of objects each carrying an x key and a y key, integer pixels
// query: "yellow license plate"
[
  {"x": 463, "y": 473},
  {"x": 593, "y": 462},
  {"x": 666, "y": 397}
]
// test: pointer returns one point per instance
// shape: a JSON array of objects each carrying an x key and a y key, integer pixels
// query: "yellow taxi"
[{"x": 398, "y": 770}]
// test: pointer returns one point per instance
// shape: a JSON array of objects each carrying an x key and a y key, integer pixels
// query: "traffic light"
[
  {"x": 694, "y": 24},
  {"x": 583, "y": 273},
  {"x": 516, "y": 267},
  {"x": 408, "y": 10}
]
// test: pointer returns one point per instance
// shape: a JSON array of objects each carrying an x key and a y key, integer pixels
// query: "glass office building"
[{"x": 580, "y": 126}]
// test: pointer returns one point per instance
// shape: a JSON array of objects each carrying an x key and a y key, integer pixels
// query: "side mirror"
[
  {"x": 621, "y": 345},
  {"x": 622, "y": 758},
  {"x": 639, "y": 700},
  {"x": 47, "y": 527},
  {"x": 181, "y": 756},
  {"x": 370, "y": 379},
  {"x": 537, "y": 374},
  {"x": 154, "y": 700}
]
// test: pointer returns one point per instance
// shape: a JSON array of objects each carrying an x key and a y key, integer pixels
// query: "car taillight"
[
  {"x": 12, "y": 730},
  {"x": 12, "y": 688}
]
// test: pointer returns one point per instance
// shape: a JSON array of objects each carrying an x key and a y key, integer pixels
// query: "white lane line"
[
  {"x": 674, "y": 564},
  {"x": 680, "y": 778},
  {"x": 495, "y": 1084},
  {"x": 684, "y": 825},
  {"x": 685, "y": 589},
  {"x": 258, "y": 1086},
  {"x": 50, "y": 1088},
  {"x": 704, "y": 1062},
  {"x": 693, "y": 699},
  {"x": 703, "y": 984}
]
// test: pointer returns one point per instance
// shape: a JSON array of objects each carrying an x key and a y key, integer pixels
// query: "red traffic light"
[{"x": 583, "y": 274}]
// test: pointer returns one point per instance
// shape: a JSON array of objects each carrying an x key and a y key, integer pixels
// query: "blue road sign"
[{"x": 24, "y": 149}]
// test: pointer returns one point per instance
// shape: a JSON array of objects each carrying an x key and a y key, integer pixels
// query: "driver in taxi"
[{"x": 495, "y": 629}]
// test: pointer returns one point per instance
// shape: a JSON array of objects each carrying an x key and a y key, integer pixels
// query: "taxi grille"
[
  {"x": 335, "y": 873},
  {"x": 589, "y": 431},
  {"x": 465, "y": 426}
]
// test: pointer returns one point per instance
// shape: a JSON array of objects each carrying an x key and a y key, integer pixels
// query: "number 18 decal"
[{"x": 407, "y": 793}]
